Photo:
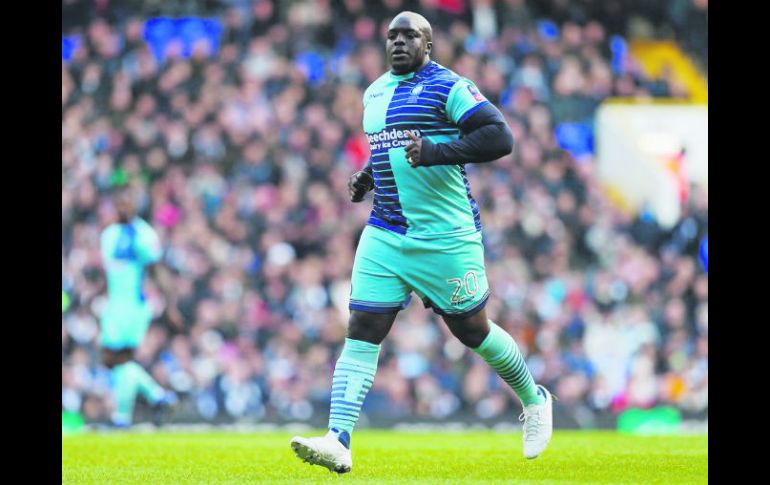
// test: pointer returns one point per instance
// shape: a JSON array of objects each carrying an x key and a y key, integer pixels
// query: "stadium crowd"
[{"x": 239, "y": 155}]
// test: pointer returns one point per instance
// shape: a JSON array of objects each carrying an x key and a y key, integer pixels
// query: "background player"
[
  {"x": 423, "y": 234},
  {"x": 128, "y": 247}
]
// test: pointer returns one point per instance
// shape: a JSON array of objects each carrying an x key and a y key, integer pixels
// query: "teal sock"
[
  {"x": 500, "y": 351},
  {"x": 128, "y": 380},
  {"x": 353, "y": 377}
]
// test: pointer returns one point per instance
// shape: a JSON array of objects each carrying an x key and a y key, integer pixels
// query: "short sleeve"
[{"x": 464, "y": 98}]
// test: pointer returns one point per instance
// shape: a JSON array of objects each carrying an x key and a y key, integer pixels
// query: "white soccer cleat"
[
  {"x": 538, "y": 425},
  {"x": 326, "y": 451}
]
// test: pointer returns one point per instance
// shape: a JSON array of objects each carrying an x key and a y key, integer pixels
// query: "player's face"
[
  {"x": 125, "y": 207},
  {"x": 406, "y": 46}
]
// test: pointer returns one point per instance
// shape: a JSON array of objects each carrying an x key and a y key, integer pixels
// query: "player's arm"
[
  {"x": 151, "y": 252},
  {"x": 362, "y": 181},
  {"x": 163, "y": 277},
  {"x": 487, "y": 137},
  {"x": 96, "y": 277}
]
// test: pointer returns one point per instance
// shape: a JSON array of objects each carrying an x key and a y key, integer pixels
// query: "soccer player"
[
  {"x": 424, "y": 122},
  {"x": 127, "y": 248}
]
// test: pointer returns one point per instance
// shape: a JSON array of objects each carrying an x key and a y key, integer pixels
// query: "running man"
[
  {"x": 424, "y": 122},
  {"x": 128, "y": 247}
]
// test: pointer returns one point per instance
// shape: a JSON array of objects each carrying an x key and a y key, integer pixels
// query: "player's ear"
[{"x": 428, "y": 47}]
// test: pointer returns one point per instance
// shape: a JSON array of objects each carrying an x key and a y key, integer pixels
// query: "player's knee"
[
  {"x": 370, "y": 327},
  {"x": 112, "y": 358},
  {"x": 127, "y": 355},
  {"x": 109, "y": 358},
  {"x": 471, "y": 331}
]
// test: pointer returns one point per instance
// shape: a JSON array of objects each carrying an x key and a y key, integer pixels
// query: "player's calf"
[{"x": 500, "y": 351}]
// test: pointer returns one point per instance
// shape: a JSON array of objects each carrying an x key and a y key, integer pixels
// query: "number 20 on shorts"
[{"x": 469, "y": 283}]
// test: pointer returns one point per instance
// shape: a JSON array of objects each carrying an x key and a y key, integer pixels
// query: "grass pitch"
[{"x": 383, "y": 457}]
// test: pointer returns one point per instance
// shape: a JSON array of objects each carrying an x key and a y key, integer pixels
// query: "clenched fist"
[{"x": 359, "y": 184}]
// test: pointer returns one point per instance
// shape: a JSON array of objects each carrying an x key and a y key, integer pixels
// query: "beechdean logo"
[
  {"x": 387, "y": 139},
  {"x": 475, "y": 93}
]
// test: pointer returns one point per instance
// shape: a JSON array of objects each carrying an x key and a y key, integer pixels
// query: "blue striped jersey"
[
  {"x": 126, "y": 250},
  {"x": 422, "y": 202}
]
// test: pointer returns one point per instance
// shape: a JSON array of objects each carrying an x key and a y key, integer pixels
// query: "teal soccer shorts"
[
  {"x": 124, "y": 326},
  {"x": 447, "y": 274}
]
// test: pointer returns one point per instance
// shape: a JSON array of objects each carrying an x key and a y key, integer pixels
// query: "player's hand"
[
  {"x": 414, "y": 150},
  {"x": 175, "y": 317},
  {"x": 420, "y": 153},
  {"x": 359, "y": 184}
]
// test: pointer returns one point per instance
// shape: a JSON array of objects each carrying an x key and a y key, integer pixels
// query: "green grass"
[{"x": 384, "y": 457}]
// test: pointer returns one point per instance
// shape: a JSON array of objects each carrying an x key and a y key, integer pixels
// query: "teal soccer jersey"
[
  {"x": 424, "y": 230},
  {"x": 423, "y": 202},
  {"x": 126, "y": 250}
]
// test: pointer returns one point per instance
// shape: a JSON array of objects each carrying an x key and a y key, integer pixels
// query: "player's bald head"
[
  {"x": 414, "y": 20},
  {"x": 409, "y": 42}
]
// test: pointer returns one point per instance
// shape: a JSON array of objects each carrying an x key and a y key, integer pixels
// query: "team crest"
[
  {"x": 475, "y": 93},
  {"x": 417, "y": 90}
]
